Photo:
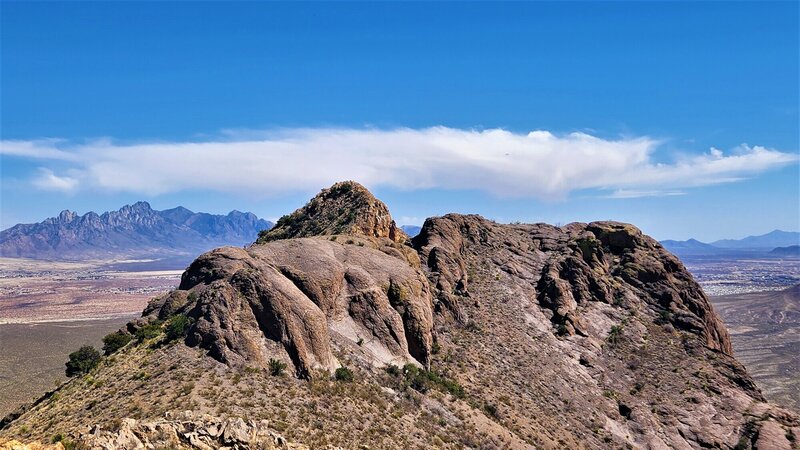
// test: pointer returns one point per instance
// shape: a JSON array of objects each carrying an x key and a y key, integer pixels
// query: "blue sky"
[{"x": 679, "y": 117}]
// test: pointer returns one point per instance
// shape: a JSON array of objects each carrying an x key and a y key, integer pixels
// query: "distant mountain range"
[
  {"x": 792, "y": 250},
  {"x": 411, "y": 230},
  {"x": 133, "y": 231},
  {"x": 775, "y": 243}
]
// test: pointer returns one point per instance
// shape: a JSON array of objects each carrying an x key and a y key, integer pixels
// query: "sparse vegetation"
[
  {"x": 177, "y": 327},
  {"x": 58, "y": 437},
  {"x": 423, "y": 380},
  {"x": 82, "y": 361},
  {"x": 393, "y": 370},
  {"x": 615, "y": 334},
  {"x": 472, "y": 326},
  {"x": 664, "y": 317},
  {"x": 344, "y": 374},
  {"x": 115, "y": 341},
  {"x": 149, "y": 331},
  {"x": 276, "y": 367}
]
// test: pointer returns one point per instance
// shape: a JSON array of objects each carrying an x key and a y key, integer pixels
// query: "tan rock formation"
[
  {"x": 344, "y": 208},
  {"x": 188, "y": 431},
  {"x": 297, "y": 293},
  {"x": 531, "y": 336}
]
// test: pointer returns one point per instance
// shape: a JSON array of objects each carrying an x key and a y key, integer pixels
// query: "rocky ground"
[{"x": 473, "y": 335}]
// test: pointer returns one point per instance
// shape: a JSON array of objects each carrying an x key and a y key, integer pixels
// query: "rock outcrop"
[
  {"x": 188, "y": 431},
  {"x": 344, "y": 208},
  {"x": 609, "y": 262},
  {"x": 299, "y": 293},
  {"x": 476, "y": 335},
  {"x": 14, "y": 444}
]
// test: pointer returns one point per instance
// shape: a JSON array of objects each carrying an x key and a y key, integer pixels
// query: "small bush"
[
  {"x": 276, "y": 367},
  {"x": 177, "y": 327},
  {"x": 148, "y": 331},
  {"x": 472, "y": 326},
  {"x": 614, "y": 334},
  {"x": 82, "y": 361},
  {"x": 664, "y": 317},
  {"x": 69, "y": 445},
  {"x": 423, "y": 380},
  {"x": 115, "y": 341},
  {"x": 344, "y": 374},
  {"x": 393, "y": 370}
]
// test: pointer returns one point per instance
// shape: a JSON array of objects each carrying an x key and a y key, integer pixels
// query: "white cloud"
[
  {"x": 537, "y": 164},
  {"x": 627, "y": 193},
  {"x": 49, "y": 181},
  {"x": 37, "y": 149}
]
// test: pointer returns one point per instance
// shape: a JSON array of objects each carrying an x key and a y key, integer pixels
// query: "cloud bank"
[{"x": 538, "y": 164}]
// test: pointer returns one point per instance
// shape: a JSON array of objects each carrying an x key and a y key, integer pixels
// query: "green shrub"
[
  {"x": 664, "y": 317},
  {"x": 115, "y": 341},
  {"x": 393, "y": 370},
  {"x": 423, "y": 380},
  {"x": 149, "y": 331},
  {"x": 344, "y": 374},
  {"x": 614, "y": 334},
  {"x": 82, "y": 361},
  {"x": 177, "y": 327},
  {"x": 276, "y": 367}
]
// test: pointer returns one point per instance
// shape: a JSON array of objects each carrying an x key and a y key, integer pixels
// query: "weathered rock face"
[
  {"x": 598, "y": 317},
  {"x": 14, "y": 444},
  {"x": 188, "y": 431},
  {"x": 607, "y": 262},
  {"x": 344, "y": 208},
  {"x": 583, "y": 336},
  {"x": 303, "y": 294}
]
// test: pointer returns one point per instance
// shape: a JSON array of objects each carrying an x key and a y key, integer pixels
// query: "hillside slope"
[{"x": 496, "y": 336}]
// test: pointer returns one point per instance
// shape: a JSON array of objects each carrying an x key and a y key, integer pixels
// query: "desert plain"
[{"x": 50, "y": 308}]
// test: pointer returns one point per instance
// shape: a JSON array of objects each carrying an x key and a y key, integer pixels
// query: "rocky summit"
[
  {"x": 344, "y": 208},
  {"x": 336, "y": 330}
]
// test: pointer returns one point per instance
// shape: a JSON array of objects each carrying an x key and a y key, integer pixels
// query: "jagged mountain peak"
[
  {"x": 346, "y": 207},
  {"x": 132, "y": 230}
]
